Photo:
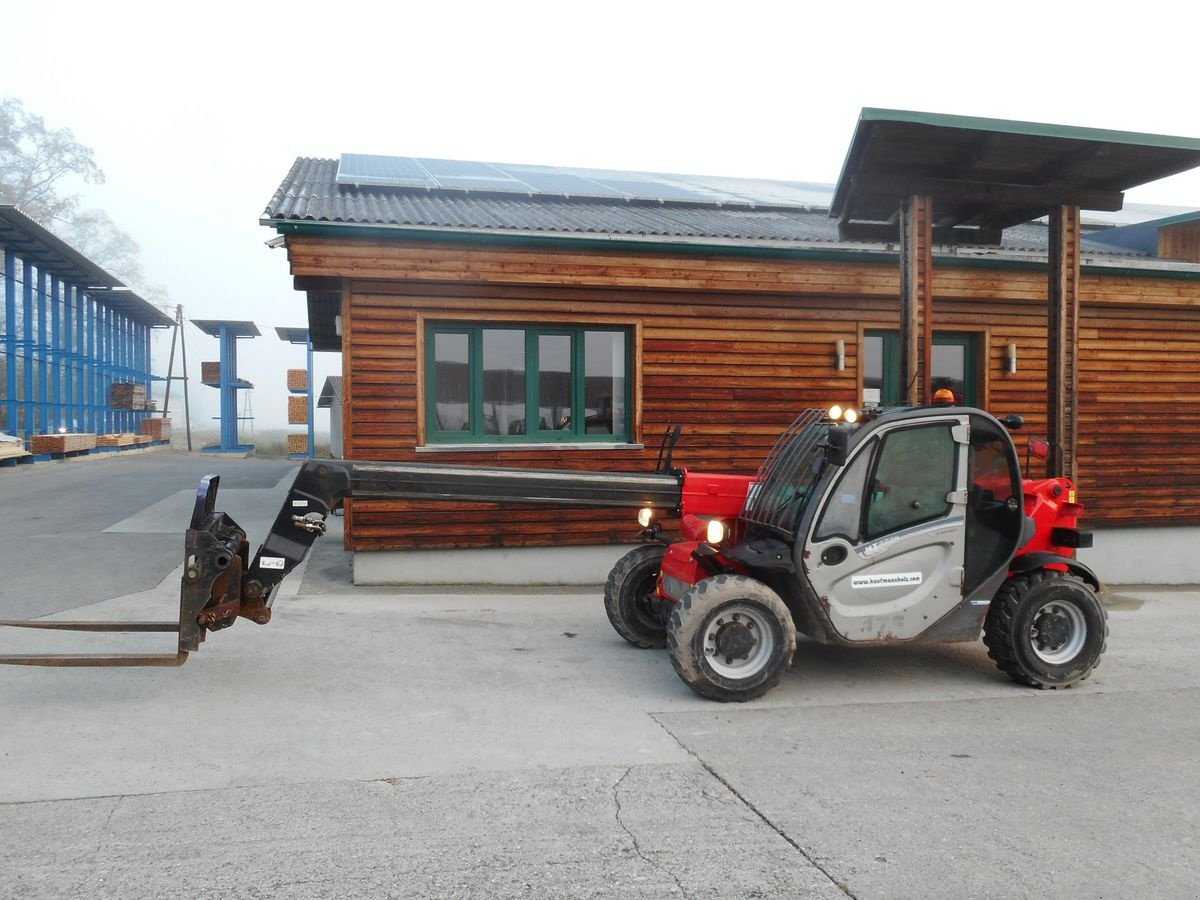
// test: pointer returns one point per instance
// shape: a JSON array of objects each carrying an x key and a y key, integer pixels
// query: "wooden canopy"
[
  {"x": 986, "y": 175},
  {"x": 922, "y": 179}
]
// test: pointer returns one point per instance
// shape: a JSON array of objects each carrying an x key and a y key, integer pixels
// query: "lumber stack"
[
  {"x": 127, "y": 395},
  {"x": 297, "y": 379},
  {"x": 63, "y": 443},
  {"x": 297, "y": 443},
  {"x": 125, "y": 439},
  {"x": 298, "y": 410},
  {"x": 11, "y": 449},
  {"x": 157, "y": 429},
  {"x": 210, "y": 372}
]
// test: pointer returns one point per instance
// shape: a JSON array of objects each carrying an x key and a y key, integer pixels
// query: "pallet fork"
[{"x": 221, "y": 582}]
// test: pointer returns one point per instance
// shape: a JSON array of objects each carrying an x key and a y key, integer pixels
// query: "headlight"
[
  {"x": 645, "y": 516},
  {"x": 835, "y": 412},
  {"x": 715, "y": 532}
]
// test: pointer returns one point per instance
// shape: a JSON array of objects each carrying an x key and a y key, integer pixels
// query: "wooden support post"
[
  {"x": 1062, "y": 370},
  {"x": 916, "y": 299}
]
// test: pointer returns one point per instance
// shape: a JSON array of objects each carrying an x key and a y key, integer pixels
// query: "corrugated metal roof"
[
  {"x": 311, "y": 194},
  {"x": 28, "y": 240}
]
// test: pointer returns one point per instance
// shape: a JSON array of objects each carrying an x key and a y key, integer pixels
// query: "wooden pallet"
[{"x": 62, "y": 443}]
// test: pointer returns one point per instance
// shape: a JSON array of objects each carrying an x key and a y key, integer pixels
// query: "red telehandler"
[{"x": 860, "y": 528}]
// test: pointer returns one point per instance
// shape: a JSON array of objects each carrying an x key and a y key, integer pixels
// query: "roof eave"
[{"x": 965, "y": 256}]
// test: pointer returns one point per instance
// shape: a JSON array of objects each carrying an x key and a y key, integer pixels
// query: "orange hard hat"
[{"x": 943, "y": 395}]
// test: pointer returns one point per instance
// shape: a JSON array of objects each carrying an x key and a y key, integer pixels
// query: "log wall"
[{"x": 732, "y": 348}]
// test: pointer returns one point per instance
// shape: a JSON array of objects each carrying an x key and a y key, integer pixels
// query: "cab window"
[
  {"x": 843, "y": 512},
  {"x": 914, "y": 475}
]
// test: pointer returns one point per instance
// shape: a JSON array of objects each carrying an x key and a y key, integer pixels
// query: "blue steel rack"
[
  {"x": 69, "y": 330},
  {"x": 228, "y": 332},
  {"x": 301, "y": 336}
]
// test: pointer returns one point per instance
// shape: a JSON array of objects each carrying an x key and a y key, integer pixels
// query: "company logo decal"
[{"x": 900, "y": 579}]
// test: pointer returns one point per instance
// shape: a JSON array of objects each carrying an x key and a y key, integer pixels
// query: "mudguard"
[{"x": 1040, "y": 560}]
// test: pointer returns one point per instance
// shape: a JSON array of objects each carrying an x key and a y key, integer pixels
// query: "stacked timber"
[
  {"x": 125, "y": 439},
  {"x": 157, "y": 429},
  {"x": 210, "y": 372},
  {"x": 297, "y": 379},
  {"x": 127, "y": 395},
  {"x": 297, "y": 443},
  {"x": 11, "y": 450},
  {"x": 63, "y": 443},
  {"x": 298, "y": 410}
]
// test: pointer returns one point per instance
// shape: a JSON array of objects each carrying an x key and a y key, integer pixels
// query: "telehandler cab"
[
  {"x": 865, "y": 529},
  {"x": 859, "y": 529}
]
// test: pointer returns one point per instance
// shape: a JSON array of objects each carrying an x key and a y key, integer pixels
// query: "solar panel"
[
  {"x": 466, "y": 175},
  {"x": 565, "y": 183},
  {"x": 398, "y": 171},
  {"x": 459, "y": 168},
  {"x": 481, "y": 183},
  {"x": 657, "y": 189}
]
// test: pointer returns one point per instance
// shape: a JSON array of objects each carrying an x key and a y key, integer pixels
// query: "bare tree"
[
  {"x": 36, "y": 165},
  {"x": 94, "y": 234},
  {"x": 35, "y": 159}
]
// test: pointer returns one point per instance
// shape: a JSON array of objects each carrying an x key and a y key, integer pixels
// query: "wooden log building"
[{"x": 535, "y": 316}]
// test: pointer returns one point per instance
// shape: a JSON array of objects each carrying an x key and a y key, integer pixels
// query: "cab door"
[{"x": 886, "y": 551}]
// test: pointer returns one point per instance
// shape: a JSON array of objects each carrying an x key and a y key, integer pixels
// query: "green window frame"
[
  {"x": 587, "y": 397},
  {"x": 889, "y": 377}
]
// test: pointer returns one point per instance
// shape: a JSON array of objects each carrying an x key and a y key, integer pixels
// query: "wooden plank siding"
[
  {"x": 1180, "y": 241},
  {"x": 732, "y": 348}
]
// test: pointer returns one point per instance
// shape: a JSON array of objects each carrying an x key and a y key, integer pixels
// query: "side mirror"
[
  {"x": 1012, "y": 423},
  {"x": 837, "y": 446}
]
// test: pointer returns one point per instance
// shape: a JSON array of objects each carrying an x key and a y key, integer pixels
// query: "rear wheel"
[
  {"x": 1046, "y": 629},
  {"x": 731, "y": 638},
  {"x": 629, "y": 597}
]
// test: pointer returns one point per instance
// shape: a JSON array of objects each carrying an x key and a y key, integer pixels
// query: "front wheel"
[
  {"x": 629, "y": 597},
  {"x": 1046, "y": 629},
  {"x": 731, "y": 638}
]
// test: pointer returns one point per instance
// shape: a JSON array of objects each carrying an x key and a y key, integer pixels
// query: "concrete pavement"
[{"x": 508, "y": 744}]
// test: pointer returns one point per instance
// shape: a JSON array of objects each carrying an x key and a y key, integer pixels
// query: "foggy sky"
[{"x": 196, "y": 111}]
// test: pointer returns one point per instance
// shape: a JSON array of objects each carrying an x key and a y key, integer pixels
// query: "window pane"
[
  {"x": 844, "y": 509},
  {"x": 452, "y": 380},
  {"x": 503, "y": 381},
  {"x": 914, "y": 475},
  {"x": 872, "y": 369},
  {"x": 993, "y": 527},
  {"x": 604, "y": 382},
  {"x": 950, "y": 370},
  {"x": 554, "y": 382}
]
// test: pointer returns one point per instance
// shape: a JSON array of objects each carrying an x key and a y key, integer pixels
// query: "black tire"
[
  {"x": 629, "y": 597},
  {"x": 731, "y": 638},
  {"x": 1046, "y": 629}
]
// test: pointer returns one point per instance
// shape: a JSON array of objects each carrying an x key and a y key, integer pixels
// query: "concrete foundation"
[{"x": 1145, "y": 555}]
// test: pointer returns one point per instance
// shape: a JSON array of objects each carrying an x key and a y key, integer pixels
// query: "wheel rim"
[
  {"x": 644, "y": 603},
  {"x": 738, "y": 641},
  {"x": 1057, "y": 632}
]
